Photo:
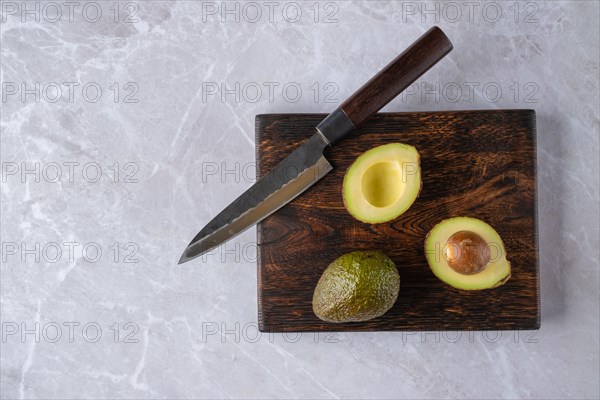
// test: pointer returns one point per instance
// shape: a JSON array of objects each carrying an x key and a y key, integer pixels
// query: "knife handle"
[{"x": 386, "y": 85}]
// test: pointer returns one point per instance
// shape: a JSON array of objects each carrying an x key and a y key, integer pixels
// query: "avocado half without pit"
[
  {"x": 382, "y": 183},
  {"x": 467, "y": 253}
]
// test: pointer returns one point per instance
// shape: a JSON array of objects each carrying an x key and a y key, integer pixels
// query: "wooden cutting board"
[{"x": 479, "y": 164}]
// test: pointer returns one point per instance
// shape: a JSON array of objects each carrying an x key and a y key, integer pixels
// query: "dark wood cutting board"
[{"x": 479, "y": 164}]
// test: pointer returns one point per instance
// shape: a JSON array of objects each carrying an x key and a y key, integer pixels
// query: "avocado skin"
[{"x": 356, "y": 287}]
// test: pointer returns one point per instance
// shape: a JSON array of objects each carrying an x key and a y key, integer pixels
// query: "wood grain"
[
  {"x": 399, "y": 74},
  {"x": 480, "y": 164}
]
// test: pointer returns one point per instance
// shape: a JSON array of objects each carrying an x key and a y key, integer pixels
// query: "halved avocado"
[
  {"x": 467, "y": 254},
  {"x": 382, "y": 183}
]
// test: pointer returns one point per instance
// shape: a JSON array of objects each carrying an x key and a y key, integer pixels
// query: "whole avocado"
[{"x": 356, "y": 287}]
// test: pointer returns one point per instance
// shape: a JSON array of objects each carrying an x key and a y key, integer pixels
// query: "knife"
[{"x": 307, "y": 164}]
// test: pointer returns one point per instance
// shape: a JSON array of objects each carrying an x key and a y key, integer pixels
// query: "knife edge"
[{"x": 269, "y": 194}]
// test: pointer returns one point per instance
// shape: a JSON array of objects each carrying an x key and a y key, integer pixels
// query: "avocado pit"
[{"x": 467, "y": 253}]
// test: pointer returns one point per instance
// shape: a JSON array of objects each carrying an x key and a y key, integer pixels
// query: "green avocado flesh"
[
  {"x": 438, "y": 247},
  {"x": 382, "y": 183},
  {"x": 357, "y": 287}
]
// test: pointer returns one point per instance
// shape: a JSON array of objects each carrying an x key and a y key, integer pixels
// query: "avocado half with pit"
[
  {"x": 467, "y": 253},
  {"x": 382, "y": 183}
]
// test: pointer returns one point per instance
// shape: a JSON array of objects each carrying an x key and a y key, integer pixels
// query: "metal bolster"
[{"x": 335, "y": 126}]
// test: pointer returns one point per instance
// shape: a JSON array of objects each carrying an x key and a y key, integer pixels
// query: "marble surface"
[{"x": 127, "y": 125}]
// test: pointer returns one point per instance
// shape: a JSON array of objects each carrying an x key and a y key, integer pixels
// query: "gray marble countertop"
[{"x": 127, "y": 125}]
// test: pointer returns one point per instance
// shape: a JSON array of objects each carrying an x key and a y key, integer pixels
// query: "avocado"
[
  {"x": 382, "y": 183},
  {"x": 467, "y": 253},
  {"x": 356, "y": 287}
]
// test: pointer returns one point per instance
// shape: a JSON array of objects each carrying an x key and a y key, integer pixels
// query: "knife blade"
[
  {"x": 292, "y": 176},
  {"x": 307, "y": 164}
]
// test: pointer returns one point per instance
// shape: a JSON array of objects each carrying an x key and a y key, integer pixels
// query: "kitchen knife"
[{"x": 307, "y": 164}]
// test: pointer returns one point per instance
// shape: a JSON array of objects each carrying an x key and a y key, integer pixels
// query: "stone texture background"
[{"x": 142, "y": 130}]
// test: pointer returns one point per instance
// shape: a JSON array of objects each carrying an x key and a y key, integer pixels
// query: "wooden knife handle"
[
  {"x": 397, "y": 76},
  {"x": 387, "y": 84}
]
